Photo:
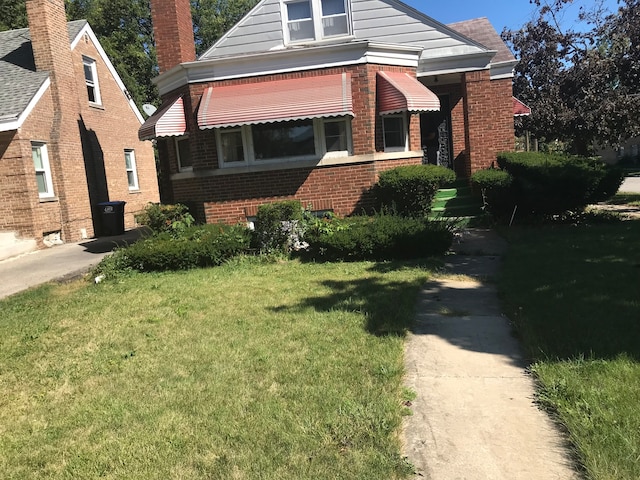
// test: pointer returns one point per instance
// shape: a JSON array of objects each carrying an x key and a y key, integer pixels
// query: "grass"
[
  {"x": 573, "y": 295},
  {"x": 623, "y": 198},
  {"x": 246, "y": 371}
]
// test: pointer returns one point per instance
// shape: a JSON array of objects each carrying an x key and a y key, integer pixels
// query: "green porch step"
[{"x": 458, "y": 200}]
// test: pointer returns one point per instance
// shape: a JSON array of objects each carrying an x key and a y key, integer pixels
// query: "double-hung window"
[
  {"x": 284, "y": 141},
  {"x": 394, "y": 130},
  {"x": 43, "y": 169},
  {"x": 132, "y": 172},
  {"x": 315, "y": 19},
  {"x": 91, "y": 80}
]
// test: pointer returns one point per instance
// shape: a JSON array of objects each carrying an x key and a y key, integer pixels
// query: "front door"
[{"x": 435, "y": 130}]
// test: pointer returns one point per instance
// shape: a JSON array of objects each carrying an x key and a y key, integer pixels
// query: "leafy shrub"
[
  {"x": 165, "y": 218},
  {"x": 554, "y": 183},
  {"x": 204, "y": 246},
  {"x": 278, "y": 226},
  {"x": 496, "y": 188},
  {"x": 409, "y": 190},
  {"x": 380, "y": 237}
]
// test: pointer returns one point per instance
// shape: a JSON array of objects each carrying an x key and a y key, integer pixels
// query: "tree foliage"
[{"x": 582, "y": 84}]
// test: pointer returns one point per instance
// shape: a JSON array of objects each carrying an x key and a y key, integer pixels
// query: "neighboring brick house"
[
  {"x": 311, "y": 99},
  {"x": 68, "y": 133}
]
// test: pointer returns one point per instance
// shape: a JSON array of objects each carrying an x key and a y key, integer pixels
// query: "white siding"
[{"x": 384, "y": 21}]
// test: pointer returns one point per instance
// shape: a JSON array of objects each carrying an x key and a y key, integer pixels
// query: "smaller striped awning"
[
  {"x": 520, "y": 109},
  {"x": 276, "y": 101},
  {"x": 167, "y": 121},
  {"x": 400, "y": 92}
]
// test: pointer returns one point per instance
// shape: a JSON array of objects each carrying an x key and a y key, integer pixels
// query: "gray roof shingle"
[
  {"x": 18, "y": 76},
  {"x": 481, "y": 31}
]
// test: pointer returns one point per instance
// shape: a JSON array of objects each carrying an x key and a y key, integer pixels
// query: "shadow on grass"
[{"x": 388, "y": 305}]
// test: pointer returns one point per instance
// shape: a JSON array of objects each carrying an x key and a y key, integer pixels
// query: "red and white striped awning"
[
  {"x": 400, "y": 92},
  {"x": 167, "y": 121},
  {"x": 276, "y": 101},
  {"x": 520, "y": 109}
]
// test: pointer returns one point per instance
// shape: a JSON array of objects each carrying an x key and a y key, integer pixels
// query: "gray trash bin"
[{"x": 112, "y": 218}]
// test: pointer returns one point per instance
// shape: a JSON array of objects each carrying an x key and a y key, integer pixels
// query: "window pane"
[
  {"x": 88, "y": 73},
  {"x": 37, "y": 158},
  {"x": 231, "y": 145},
  {"x": 184, "y": 153},
  {"x": 41, "y": 179},
  {"x": 394, "y": 135},
  {"x": 298, "y": 11},
  {"x": 127, "y": 160},
  {"x": 335, "y": 136},
  {"x": 335, "y": 25},
  {"x": 91, "y": 93},
  {"x": 301, "y": 30},
  {"x": 131, "y": 177},
  {"x": 332, "y": 7},
  {"x": 284, "y": 139}
]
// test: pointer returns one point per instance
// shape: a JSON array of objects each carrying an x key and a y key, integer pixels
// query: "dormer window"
[{"x": 315, "y": 19}]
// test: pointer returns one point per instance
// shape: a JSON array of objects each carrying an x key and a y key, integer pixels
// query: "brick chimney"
[
  {"x": 173, "y": 31},
  {"x": 52, "y": 53}
]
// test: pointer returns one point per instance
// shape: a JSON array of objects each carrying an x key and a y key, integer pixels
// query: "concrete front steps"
[
  {"x": 12, "y": 246},
  {"x": 458, "y": 200}
]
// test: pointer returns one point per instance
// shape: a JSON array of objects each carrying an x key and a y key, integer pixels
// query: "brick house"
[
  {"x": 311, "y": 99},
  {"x": 68, "y": 134}
]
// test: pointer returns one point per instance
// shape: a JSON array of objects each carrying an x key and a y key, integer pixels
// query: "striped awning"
[
  {"x": 400, "y": 92},
  {"x": 520, "y": 109},
  {"x": 167, "y": 121},
  {"x": 276, "y": 101}
]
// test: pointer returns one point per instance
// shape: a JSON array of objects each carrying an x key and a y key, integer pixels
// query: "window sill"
[
  {"x": 49, "y": 199},
  {"x": 97, "y": 106}
]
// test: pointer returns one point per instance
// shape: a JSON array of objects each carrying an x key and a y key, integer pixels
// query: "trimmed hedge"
[
  {"x": 278, "y": 226},
  {"x": 496, "y": 188},
  {"x": 554, "y": 184},
  {"x": 204, "y": 246},
  {"x": 409, "y": 190},
  {"x": 380, "y": 237},
  {"x": 165, "y": 218}
]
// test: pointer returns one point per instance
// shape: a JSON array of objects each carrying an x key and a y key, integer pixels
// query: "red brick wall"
[
  {"x": 488, "y": 111},
  {"x": 173, "y": 31}
]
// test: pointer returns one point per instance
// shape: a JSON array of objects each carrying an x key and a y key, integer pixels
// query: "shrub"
[
  {"x": 554, "y": 183},
  {"x": 278, "y": 226},
  {"x": 204, "y": 246},
  {"x": 165, "y": 218},
  {"x": 409, "y": 190},
  {"x": 496, "y": 188},
  {"x": 380, "y": 237}
]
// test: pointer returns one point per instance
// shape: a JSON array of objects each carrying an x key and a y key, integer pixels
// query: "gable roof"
[{"x": 22, "y": 84}]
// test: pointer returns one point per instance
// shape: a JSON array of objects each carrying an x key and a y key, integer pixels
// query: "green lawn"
[
  {"x": 247, "y": 371},
  {"x": 573, "y": 294}
]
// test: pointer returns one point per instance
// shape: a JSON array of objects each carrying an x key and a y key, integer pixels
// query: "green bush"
[
  {"x": 379, "y": 237},
  {"x": 278, "y": 226},
  {"x": 165, "y": 218},
  {"x": 496, "y": 188},
  {"x": 203, "y": 246},
  {"x": 554, "y": 183},
  {"x": 409, "y": 190}
]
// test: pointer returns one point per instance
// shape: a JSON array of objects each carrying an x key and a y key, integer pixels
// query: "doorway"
[{"x": 435, "y": 134}]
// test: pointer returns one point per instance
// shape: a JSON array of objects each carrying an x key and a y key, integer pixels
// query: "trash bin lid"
[{"x": 112, "y": 204}]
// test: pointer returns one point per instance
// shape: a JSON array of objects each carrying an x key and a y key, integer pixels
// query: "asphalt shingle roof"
[
  {"x": 481, "y": 31},
  {"x": 19, "y": 79}
]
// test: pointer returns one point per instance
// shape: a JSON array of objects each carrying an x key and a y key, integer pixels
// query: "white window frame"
[
  {"x": 182, "y": 168},
  {"x": 403, "y": 148},
  {"x": 45, "y": 170},
  {"x": 319, "y": 143},
  {"x": 132, "y": 168},
  {"x": 317, "y": 19},
  {"x": 92, "y": 83}
]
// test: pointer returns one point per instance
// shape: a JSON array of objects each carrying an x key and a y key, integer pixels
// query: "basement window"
[{"x": 91, "y": 80}]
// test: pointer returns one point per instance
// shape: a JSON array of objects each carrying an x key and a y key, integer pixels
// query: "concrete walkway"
[{"x": 474, "y": 416}]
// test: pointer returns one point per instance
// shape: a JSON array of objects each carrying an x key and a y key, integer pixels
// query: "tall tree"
[
  {"x": 213, "y": 18},
  {"x": 582, "y": 85}
]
